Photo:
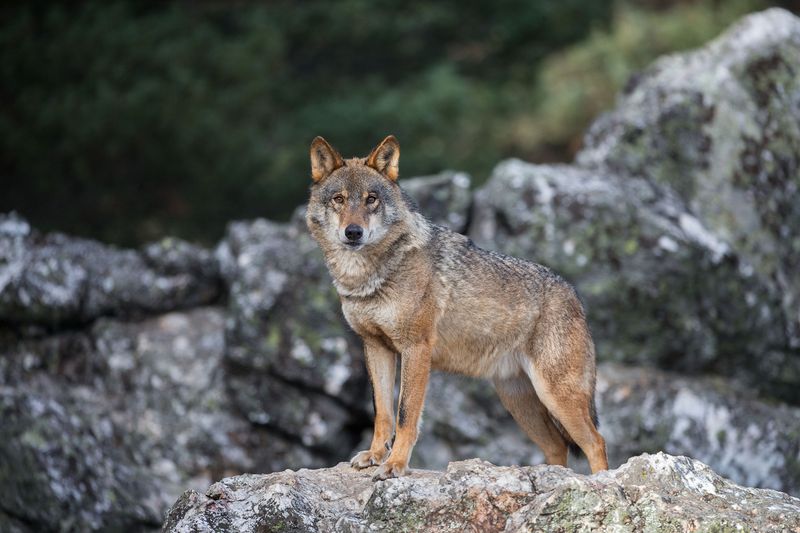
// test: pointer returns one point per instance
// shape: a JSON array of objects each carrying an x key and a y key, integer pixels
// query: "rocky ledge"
[{"x": 648, "y": 493}]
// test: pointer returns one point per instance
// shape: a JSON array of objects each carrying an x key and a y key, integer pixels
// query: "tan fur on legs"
[
  {"x": 577, "y": 421},
  {"x": 562, "y": 372},
  {"x": 414, "y": 372},
  {"x": 381, "y": 363},
  {"x": 519, "y": 397}
]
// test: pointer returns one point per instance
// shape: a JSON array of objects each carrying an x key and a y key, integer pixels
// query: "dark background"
[{"x": 125, "y": 121}]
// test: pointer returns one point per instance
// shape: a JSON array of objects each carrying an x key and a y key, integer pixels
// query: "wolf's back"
[{"x": 459, "y": 260}]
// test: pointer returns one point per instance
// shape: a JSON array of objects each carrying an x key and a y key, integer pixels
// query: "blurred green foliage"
[
  {"x": 125, "y": 121},
  {"x": 580, "y": 82}
]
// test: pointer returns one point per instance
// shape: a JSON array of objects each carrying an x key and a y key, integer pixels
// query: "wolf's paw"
[
  {"x": 390, "y": 469},
  {"x": 366, "y": 459}
]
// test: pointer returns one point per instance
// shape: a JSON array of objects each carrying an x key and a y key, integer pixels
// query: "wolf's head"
[{"x": 355, "y": 203}]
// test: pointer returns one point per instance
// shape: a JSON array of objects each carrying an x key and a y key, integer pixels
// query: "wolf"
[{"x": 429, "y": 296}]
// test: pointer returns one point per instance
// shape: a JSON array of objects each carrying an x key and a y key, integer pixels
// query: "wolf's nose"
[{"x": 353, "y": 232}]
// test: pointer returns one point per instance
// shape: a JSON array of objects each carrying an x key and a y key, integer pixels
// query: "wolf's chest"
[{"x": 372, "y": 318}]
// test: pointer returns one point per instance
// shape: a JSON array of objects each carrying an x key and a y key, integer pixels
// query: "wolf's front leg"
[
  {"x": 381, "y": 365},
  {"x": 414, "y": 372}
]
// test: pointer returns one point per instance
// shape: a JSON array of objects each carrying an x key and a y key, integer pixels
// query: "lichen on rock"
[
  {"x": 56, "y": 280},
  {"x": 648, "y": 493},
  {"x": 721, "y": 126}
]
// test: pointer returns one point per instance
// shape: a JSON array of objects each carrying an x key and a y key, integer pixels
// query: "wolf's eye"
[
  {"x": 371, "y": 199},
  {"x": 339, "y": 199}
]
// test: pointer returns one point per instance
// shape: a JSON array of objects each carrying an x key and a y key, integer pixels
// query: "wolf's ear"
[
  {"x": 385, "y": 157},
  {"x": 324, "y": 159}
]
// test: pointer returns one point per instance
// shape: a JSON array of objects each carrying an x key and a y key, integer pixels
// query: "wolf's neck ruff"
[{"x": 360, "y": 274}]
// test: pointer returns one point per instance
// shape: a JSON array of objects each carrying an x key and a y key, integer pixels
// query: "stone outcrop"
[
  {"x": 295, "y": 366},
  {"x": 721, "y": 126},
  {"x": 102, "y": 429},
  {"x": 56, "y": 280},
  {"x": 648, "y": 493},
  {"x": 754, "y": 442},
  {"x": 444, "y": 198}
]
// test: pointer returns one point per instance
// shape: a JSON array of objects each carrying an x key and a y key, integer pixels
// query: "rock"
[
  {"x": 103, "y": 428},
  {"x": 659, "y": 287},
  {"x": 721, "y": 126},
  {"x": 724, "y": 425},
  {"x": 55, "y": 279},
  {"x": 174, "y": 257},
  {"x": 678, "y": 224},
  {"x": 444, "y": 198},
  {"x": 295, "y": 365},
  {"x": 649, "y": 493},
  {"x": 62, "y": 468},
  {"x": 165, "y": 380},
  {"x": 463, "y": 418}
]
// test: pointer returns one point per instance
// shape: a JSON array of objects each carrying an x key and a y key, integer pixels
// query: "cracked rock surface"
[
  {"x": 54, "y": 280},
  {"x": 648, "y": 493}
]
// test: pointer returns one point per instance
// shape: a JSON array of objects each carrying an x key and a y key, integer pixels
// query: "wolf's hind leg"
[
  {"x": 563, "y": 375},
  {"x": 519, "y": 397},
  {"x": 573, "y": 412}
]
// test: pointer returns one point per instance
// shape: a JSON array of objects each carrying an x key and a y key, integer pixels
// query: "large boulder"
[
  {"x": 294, "y": 365},
  {"x": 103, "y": 428},
  {"x": 721, "y": 126},
  {"x": 753, "y": 442},
  {"x": 54, "y": 279},
  {"x": 65, "y": 466},
  {"x": 444, "y": 198},
  {"x": 649, "y": 493},
  {"x": 463, "y": 418}
]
